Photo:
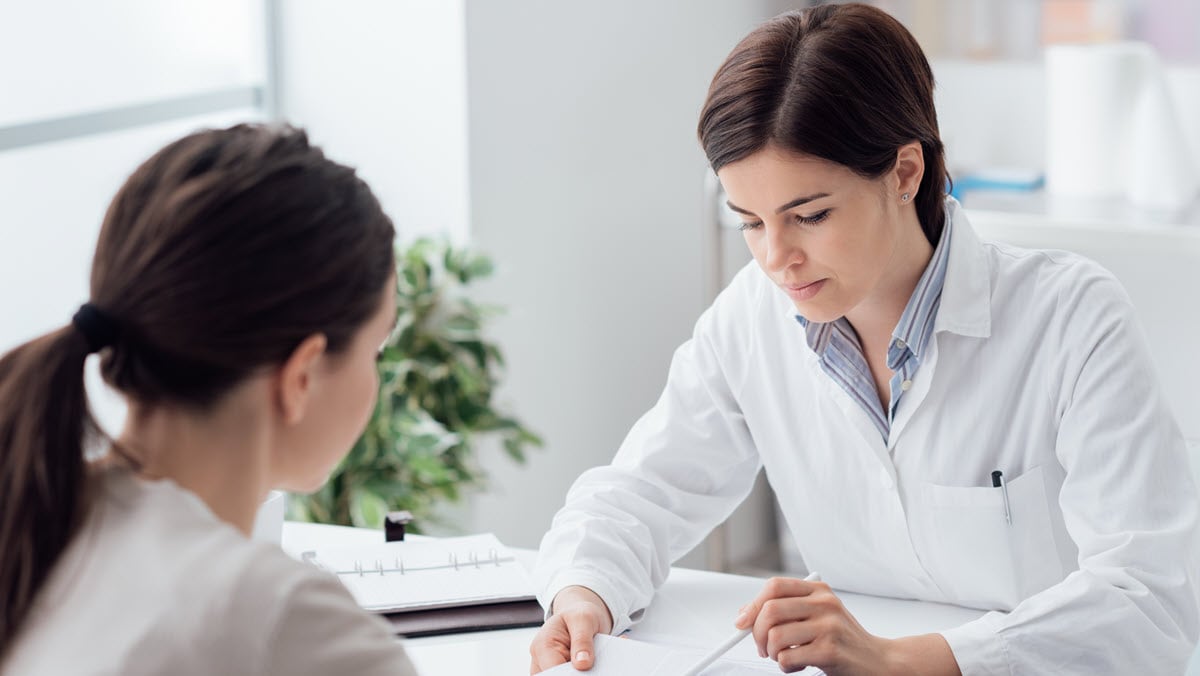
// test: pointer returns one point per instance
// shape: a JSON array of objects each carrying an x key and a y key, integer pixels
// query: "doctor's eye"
[
  {"x": 814, "y": 219},
  {"x": 749, "y": 226}
]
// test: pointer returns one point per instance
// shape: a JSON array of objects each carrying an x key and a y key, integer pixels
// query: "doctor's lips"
[{"x": 803, "y": 292}]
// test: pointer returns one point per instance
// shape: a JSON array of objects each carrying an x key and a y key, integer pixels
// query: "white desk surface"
[{"x": 694, "y": 609}]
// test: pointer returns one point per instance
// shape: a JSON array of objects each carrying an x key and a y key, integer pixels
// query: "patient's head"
[
  {"x": 225, "y": 250},
  {"x": 230, "y": 256}
]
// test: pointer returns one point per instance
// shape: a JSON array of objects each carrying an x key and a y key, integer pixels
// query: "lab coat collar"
[{"x": 966, "y": 307}]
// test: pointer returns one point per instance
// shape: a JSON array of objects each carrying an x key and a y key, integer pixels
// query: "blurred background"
[{"x": 559, "y": 139}]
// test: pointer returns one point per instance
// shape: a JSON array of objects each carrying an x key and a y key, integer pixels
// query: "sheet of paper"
[
  {"x": 428, "y": 573},
  {"x": 623, "y": 656}
]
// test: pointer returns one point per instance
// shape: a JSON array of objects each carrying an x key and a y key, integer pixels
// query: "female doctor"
[{"x": 881, "y": 362}]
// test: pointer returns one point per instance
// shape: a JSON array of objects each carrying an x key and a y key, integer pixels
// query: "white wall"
[
  {"x": 63, "y": 58},
  {"x": 381, "y": 85},
  {"x": 586, "y": 186}
]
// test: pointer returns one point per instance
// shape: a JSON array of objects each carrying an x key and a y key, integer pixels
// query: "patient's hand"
[{"x": 578, "y": 615}]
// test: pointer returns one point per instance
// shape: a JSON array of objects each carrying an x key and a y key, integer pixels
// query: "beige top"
[{"x": 154, "y": 583}]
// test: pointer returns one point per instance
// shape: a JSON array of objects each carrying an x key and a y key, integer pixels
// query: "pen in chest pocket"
[{"x": 999, "y": 482}]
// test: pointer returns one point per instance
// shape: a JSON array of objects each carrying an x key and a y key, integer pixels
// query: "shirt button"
[
  {"x": 905, "y": 385},
  {"x": 900, "y": 344}
]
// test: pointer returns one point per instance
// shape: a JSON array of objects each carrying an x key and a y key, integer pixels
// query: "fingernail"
[
  {"x": 740, "y": 619},
  {"x": 583, "y": 656}
]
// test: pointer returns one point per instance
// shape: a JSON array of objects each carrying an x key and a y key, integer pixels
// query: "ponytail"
[
  {"x": 195, "y": 286},
  {"x": 44, "y": 418}
]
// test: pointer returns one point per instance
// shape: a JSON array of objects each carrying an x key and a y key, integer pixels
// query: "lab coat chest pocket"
[{"x": 980, "y": 558}]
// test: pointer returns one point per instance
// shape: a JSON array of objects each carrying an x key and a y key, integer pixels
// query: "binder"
[
  {"x": 433, "y": 586},
  {"x": 510, "y": 615}
]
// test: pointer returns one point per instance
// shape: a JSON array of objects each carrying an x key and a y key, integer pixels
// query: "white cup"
[{"x": 268, "y": 523}]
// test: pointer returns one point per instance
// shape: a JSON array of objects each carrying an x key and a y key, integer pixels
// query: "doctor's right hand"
[{"x": 578, "y": 614}]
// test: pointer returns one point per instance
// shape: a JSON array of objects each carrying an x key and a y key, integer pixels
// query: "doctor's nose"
[{"x": 781, "y": 253}]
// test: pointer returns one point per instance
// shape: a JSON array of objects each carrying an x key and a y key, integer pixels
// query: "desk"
[{"x": 694, "y": 609}]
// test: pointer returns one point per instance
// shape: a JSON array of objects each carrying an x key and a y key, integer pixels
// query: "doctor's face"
[{"x": 821, "y": 232}]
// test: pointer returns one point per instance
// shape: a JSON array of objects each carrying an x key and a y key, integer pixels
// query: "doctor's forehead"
[{"x": 772, "y": 179}]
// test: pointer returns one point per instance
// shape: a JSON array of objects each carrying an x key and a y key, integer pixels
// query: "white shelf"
[{"x": 1090, "y": 212}]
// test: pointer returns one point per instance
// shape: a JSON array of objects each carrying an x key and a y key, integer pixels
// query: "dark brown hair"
[
  {"x": 845, "y": 83},
  {"x": 219, "y": 255}
]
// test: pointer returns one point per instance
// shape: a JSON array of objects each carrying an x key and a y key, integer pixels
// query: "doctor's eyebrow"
[{"x": 794, "y": 203}]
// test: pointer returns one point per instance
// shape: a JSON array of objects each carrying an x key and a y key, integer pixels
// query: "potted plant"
[{"x": 437, "y": 376}]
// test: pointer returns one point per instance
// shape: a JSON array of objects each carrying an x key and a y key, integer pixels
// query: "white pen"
[{"x": 733, "y": 640}]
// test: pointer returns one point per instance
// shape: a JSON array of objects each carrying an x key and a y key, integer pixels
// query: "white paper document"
[
  {"x": 428, "y": 573},
  {"x": 624, "y": 656}
]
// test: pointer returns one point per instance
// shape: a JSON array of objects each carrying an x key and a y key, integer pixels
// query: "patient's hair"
[
  {"x": 845, "y": 83},
  {"x": 218, "y": 257}
]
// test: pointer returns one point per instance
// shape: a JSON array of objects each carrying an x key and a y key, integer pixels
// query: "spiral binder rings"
[{"x": 436, "y": 585}]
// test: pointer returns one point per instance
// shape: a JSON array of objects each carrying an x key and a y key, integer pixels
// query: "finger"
[
  {"x": 550, "y": 647},
  {"x": 799, "y": 657},
  {"x": 791, "y": 661},
  {"x": 784, "y": 637},
  {"x": 776, "y": 588},
  {"x": 749, "y": 612},
  {"x": 787, "y": 587},
  {"x": 746, "y": 616},
  {"x": 582, "y": 629},
  {"x": 777, "y": 613},
  {"x": 544, "y": 657}
]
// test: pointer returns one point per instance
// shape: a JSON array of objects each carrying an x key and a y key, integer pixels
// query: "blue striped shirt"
[{"x": 841, "y": 353}]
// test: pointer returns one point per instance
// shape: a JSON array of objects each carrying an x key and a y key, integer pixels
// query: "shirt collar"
[
  {"x": 817, "y": 335},
  {"x": 916, "y": 323}
]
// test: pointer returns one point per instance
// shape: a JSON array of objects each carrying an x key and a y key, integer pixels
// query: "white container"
[
  {"x": 1161, "y": 173},
  {"x": 1090, "y": 91},
  {"x": 1111, "y": 127}
]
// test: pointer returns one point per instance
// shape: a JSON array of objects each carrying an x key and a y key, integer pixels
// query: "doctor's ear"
[
  {"x": 908, "y": 171},
  {"x": 295, "y": 380}
]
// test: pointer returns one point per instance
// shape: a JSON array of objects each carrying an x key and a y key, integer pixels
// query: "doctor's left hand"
[{"x": 799, "y": 623}]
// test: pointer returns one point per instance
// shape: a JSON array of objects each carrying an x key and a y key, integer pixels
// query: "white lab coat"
[{"x": 1037, "y": 368}]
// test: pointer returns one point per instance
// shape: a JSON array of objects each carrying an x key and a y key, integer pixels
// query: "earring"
[{"x": 904, "y": 197}]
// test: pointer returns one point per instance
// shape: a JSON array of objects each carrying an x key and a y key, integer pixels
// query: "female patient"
[{"x": 241, "y": 287}]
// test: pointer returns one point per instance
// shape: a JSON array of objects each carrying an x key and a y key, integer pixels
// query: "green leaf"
[
  {"x": 478, "y": 266},
  {"x": 367, "y": 509},
  {"x": 513, "y": 447},
  {"x": 438, "y": 371}
]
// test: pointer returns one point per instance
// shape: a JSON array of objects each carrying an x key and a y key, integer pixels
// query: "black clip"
[{"x": 393, "y": 525}]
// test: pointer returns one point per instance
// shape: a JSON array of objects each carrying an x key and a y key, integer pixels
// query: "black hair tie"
[{"x": 98, "y": 329}]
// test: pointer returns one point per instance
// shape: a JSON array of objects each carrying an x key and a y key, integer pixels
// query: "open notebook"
[{"x": 419, "y": 582}]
